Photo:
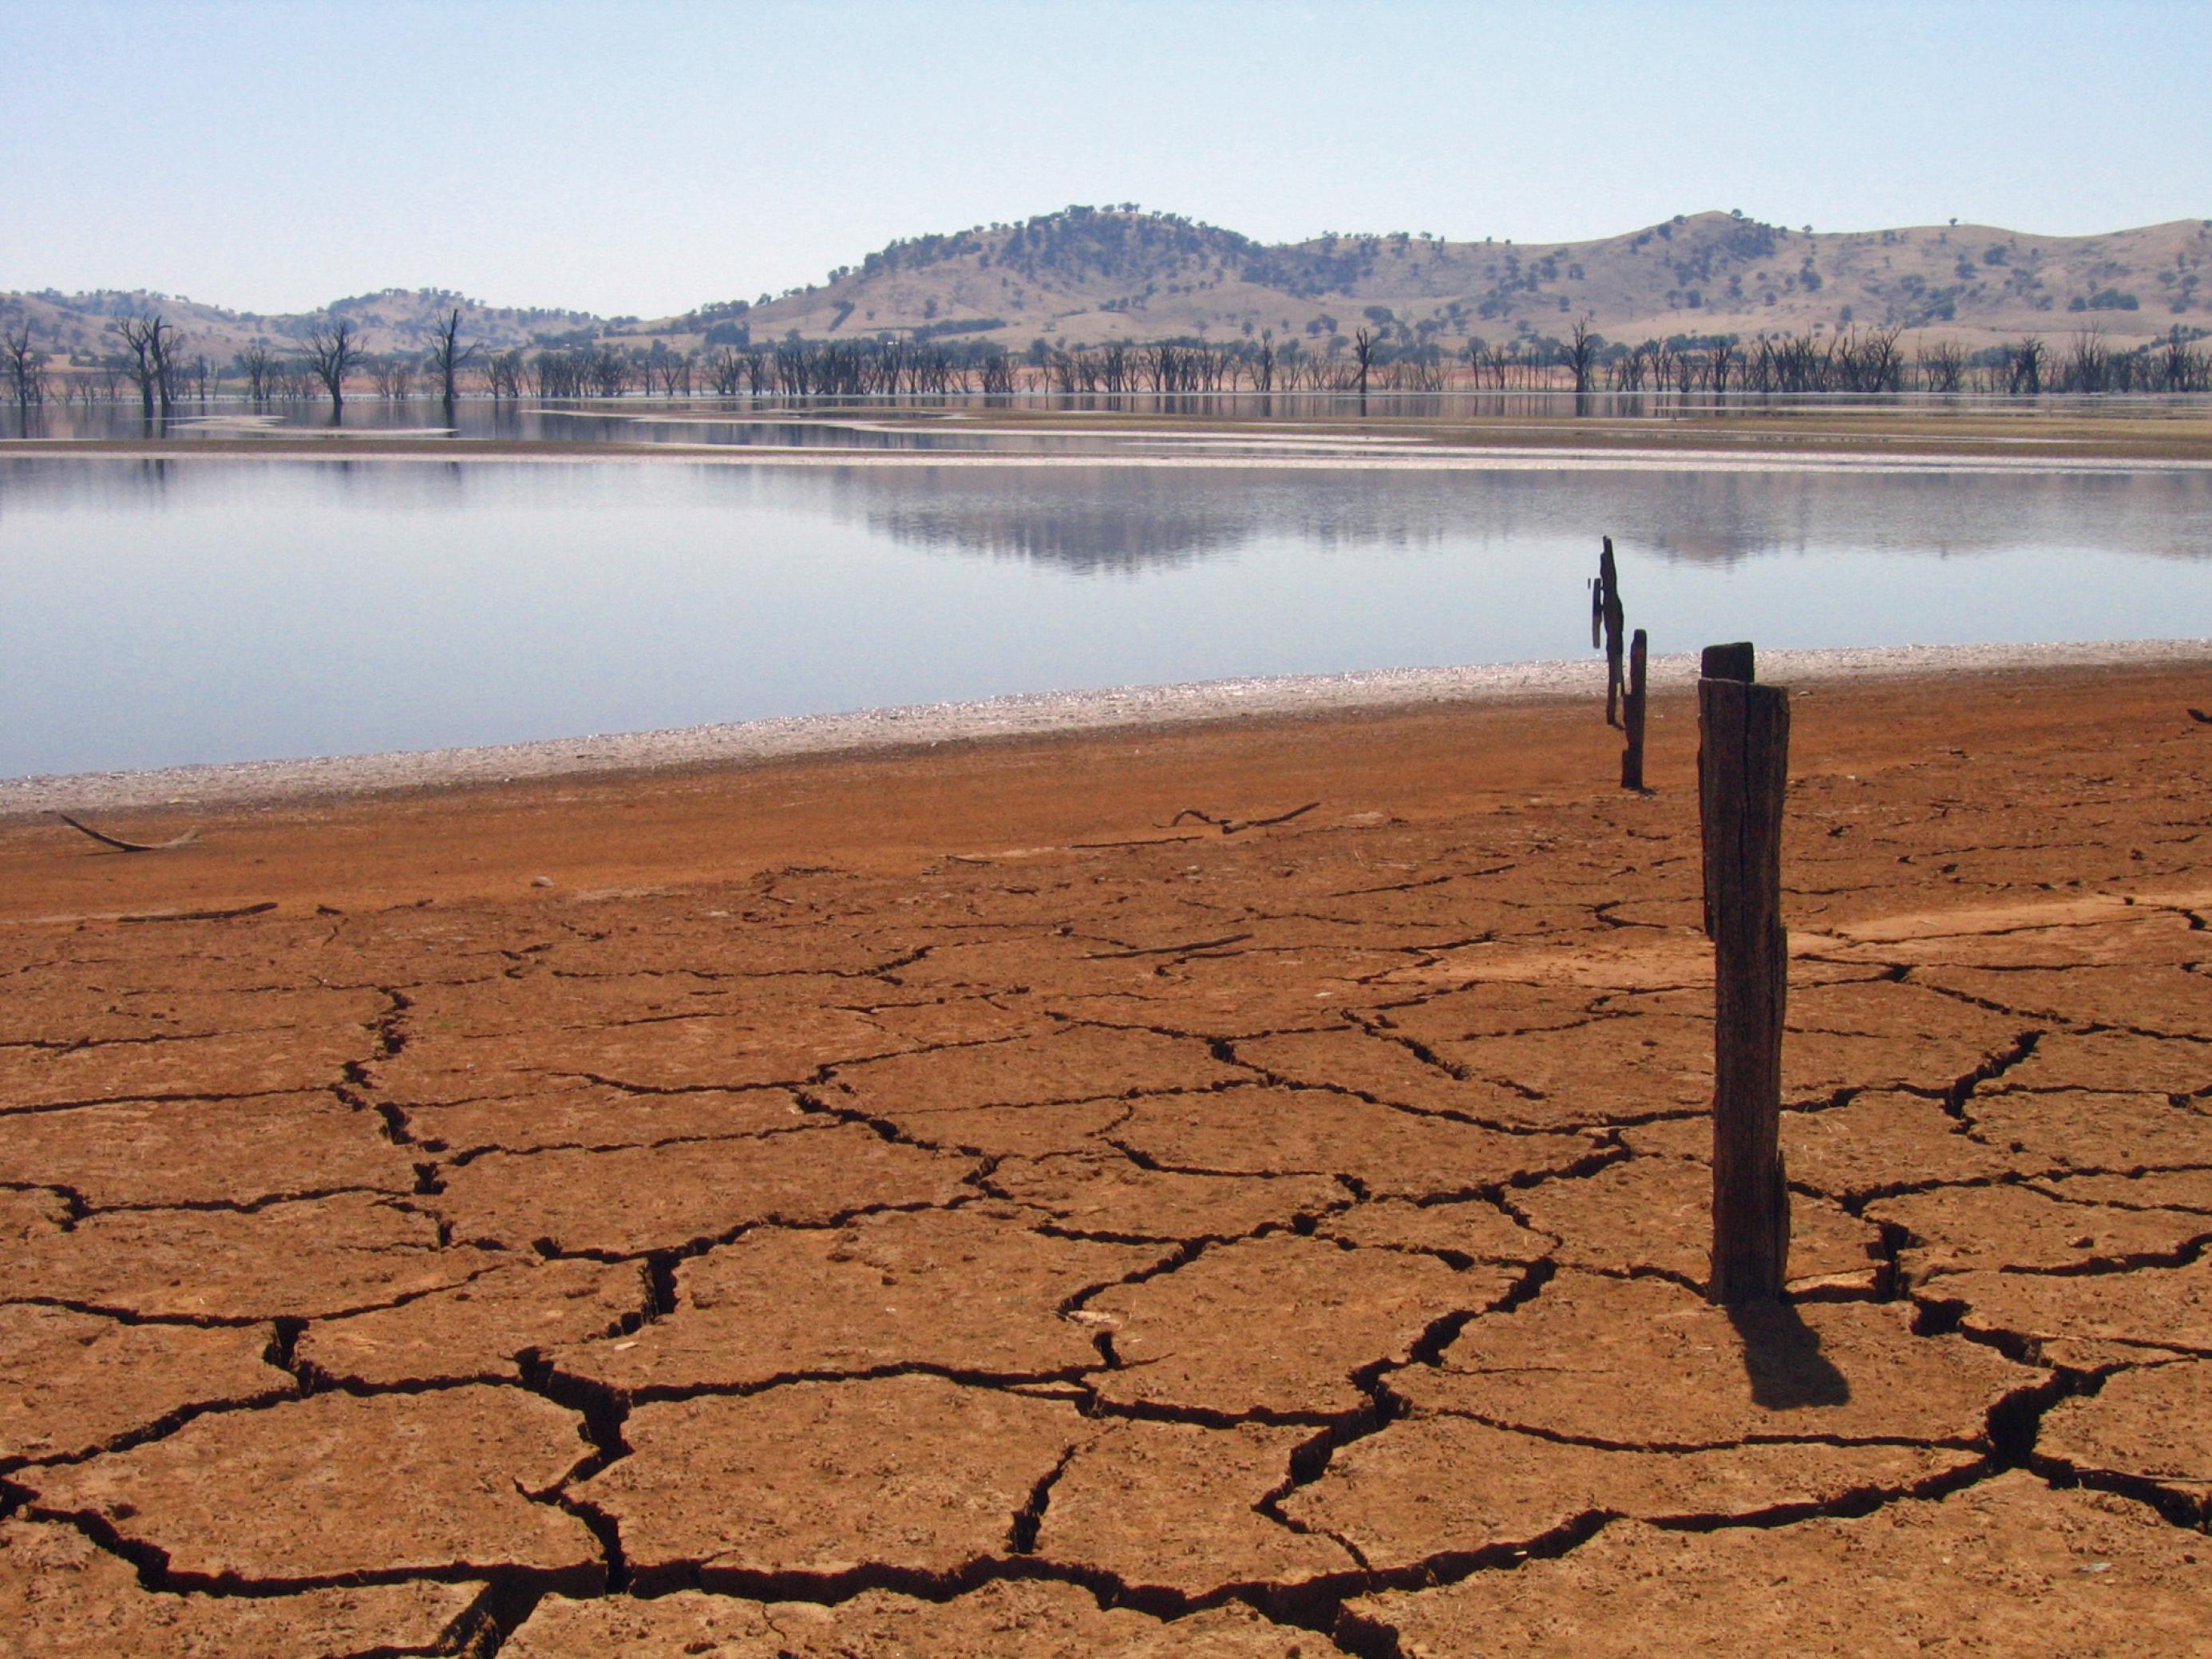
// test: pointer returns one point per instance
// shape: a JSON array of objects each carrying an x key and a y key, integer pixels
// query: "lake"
[{"x": 162, "y": 613}]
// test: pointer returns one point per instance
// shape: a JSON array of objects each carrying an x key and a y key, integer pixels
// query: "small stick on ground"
[
  {"x": 261, "y": 908},
  {"x": 123, "y": 846},
  {"x": 1230, "y": 826},
  {"x": 1184, "y": 949}
]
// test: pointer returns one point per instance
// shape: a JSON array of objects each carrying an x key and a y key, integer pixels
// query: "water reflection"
[
  {"x": 155, "y": 611},
  {"x": 1127, "y": 520}
]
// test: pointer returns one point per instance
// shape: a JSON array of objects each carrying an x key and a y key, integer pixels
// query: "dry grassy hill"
[
  {"x": 1087, "y": 276},
  {"x": 394, "y": 320},
  {"x": 1083, "y": 276}
]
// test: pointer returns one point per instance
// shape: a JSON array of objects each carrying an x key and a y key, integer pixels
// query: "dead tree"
[
  {"x": 1581, "y": 353},
  {"x": 1718, "y": 362},
  {"x": 503, "y": 374},
  {"x": 448, "y": 354},
  {"x": 259, "y": 365},
  {"x": 1942, "y": 365},
  {"x": 394, "y": 379},
  {"x": 152, "y": 363},
  {"x": 996, "y": 373},
  {"x": 332, "y": 355},
  {"x": 27, "y": 369},
  {"x": 2089, "y": 364},
  {"x": 1363, "y": 351},
  {"x": 725, "y": 370}
]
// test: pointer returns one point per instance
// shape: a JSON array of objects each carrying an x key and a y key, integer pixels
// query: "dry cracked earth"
[{"x": 1282, "y": 1241}]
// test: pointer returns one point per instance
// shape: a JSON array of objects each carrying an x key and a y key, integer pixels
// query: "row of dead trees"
[
  {"x": 329, "y": 359},
  {"x": 1874, "y": 361}
]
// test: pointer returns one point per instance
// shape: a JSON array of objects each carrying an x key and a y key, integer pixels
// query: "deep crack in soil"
[{"x": 912, "y": 1205}]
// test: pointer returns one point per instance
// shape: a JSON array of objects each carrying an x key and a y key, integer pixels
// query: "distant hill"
[
  {"x": 395, "y": 320},
  {"x": 1086, "y": 276}
]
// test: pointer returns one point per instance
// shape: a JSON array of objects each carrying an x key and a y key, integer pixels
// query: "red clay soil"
[{"x": 939, "y": 1203}]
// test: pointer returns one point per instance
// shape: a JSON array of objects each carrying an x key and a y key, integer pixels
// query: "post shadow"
[{"x": 1783, "y": 1358}]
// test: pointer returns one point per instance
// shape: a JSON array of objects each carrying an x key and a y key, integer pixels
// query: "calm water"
[{"x": 155, "y": 613}]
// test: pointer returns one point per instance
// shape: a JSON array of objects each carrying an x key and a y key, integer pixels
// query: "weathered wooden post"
[
  {"x": 1632, "y": 716},
  {"x": 1743, "y": 763},
  {"x": 1608, "y": 584}
]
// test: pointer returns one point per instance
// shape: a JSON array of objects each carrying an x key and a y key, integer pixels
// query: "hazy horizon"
[{"x": 647, "y": 159}]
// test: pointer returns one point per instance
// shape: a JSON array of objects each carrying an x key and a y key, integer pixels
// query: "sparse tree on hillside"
[
  {"x": 448, "y": 354},
  {"x": 332, "y": 355}
]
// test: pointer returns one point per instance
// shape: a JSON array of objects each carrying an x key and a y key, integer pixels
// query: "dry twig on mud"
[
  {"x": 1230, "y": 826},
  {"x": 123, "y": 846}
]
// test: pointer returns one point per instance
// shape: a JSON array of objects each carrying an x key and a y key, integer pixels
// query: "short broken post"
[
  {"x": 1743, "y": 762},
  {"x": 1632, "y": 716},
  {"x": 1614, "y": 618}
]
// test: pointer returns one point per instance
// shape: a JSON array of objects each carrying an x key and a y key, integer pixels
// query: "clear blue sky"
[{"x": 643, "y": 157}]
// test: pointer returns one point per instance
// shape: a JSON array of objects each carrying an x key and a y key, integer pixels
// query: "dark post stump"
[
  {"x": 1632, "y": 716},
  {"x": 1717, "y": 662},
  {"x": 1608, "y": 584},
  {"x": 1743, "y": 767}
]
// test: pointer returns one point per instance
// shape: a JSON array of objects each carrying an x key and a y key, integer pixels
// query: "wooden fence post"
[
  {"x": 1743, "y": 763},
  {"x": 1609, "y": 595},
  {"x": 1632, "y": 716}
]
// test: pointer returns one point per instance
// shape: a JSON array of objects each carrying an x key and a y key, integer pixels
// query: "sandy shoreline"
[{"x": 1027, "y": 714}]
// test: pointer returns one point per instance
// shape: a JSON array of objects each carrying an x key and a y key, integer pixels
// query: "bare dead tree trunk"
[
  {"x": 447, "y": 356},
  {"x": 151, "y": 341},
  {"x": 27, "y": 370},
  {"x": 1581, "y": 352},
  {"x": 332, "y": 355}
]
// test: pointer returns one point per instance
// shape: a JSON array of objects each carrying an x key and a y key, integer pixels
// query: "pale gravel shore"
[
  {"x": 1018, "y": 715},
  {"x": 1488, "y": 460}
]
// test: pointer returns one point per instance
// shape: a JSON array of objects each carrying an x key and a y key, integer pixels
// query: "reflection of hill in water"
[
  {"x": 1132, "y": 519},
  {"x": 1727, "y": 518},
  {"x": 1127, "y": 520},
  {"x": 1090, "y": 537}
]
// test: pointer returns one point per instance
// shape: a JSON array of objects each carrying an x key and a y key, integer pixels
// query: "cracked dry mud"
[{"x": 932, "y": 1204}]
